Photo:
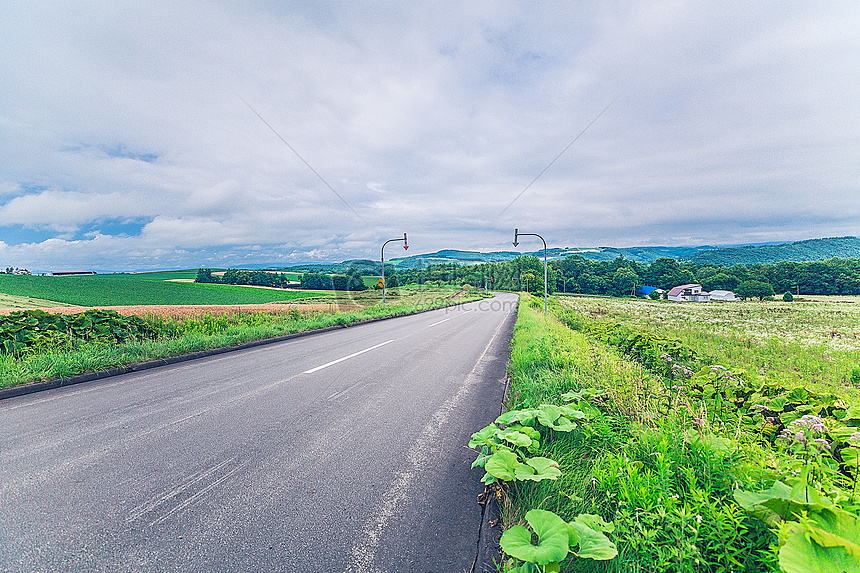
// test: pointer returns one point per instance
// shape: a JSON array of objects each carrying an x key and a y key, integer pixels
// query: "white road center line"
[
  {"x": 353, "y": 355},
  {"x": 440, "y": 322}
]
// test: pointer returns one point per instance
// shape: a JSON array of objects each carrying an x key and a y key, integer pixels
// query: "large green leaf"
[
  {"x": 595, "y": 522},
  {"x": 548, "y": 414},
  {"x": 799, "y": 554},
  {"x": 552, "y": 534},
  {"x": 780, "y": 502},
  {"x": 502, "y": 465},
  {"x": 592, "y": 544},
  {"x": 537, "y": 469},
  {"x": 834, "y": 528},
  {"x": 521, "y": 416},
  {"x": 515, "y": 438},
  {"x": 484, "y": 436}
]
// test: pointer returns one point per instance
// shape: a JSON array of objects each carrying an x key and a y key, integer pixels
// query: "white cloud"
[{"x": 737, "y": 121}]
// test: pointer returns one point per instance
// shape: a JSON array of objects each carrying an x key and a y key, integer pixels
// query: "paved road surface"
[{"x": 340, "y": 451}]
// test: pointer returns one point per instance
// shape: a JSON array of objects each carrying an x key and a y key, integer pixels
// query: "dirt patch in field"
[{"x": 185, "y": 311}]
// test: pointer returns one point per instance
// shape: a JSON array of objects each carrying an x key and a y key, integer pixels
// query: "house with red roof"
[{"x": 688, "y": 293}]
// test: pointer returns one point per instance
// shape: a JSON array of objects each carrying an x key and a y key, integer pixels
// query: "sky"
[{"x": 181, "y": 134}]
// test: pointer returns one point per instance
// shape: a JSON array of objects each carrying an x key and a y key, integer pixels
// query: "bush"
[{"x": 787, "y": 297}]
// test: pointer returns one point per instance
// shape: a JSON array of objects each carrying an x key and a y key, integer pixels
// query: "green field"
[
  {"x": 141, "y": 289},
  {"x": 696, "y": 437}
]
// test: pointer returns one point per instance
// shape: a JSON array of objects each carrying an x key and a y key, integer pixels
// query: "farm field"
[
  {"x": 815, "y": 340},
  {"x": 679, "y": 437},
  {"x": 128, "y": 289},
  {"x": 76, "y": 339}
]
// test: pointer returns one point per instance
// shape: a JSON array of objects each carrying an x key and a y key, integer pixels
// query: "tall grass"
[{"x": 637, "y": 462}]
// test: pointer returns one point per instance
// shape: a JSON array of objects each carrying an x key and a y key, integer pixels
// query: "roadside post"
[
  {"x": 517, "y": 235},
  {"x": 382, "y": 258}
]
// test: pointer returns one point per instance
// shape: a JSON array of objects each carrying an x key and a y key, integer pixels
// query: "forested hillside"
[{"x": 801, "y": 251}]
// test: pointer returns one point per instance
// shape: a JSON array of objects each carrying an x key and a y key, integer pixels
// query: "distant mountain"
[
  {"x": 800, "y": 251},
  {"x": 638, "y": 254},
  {"x": 809, "y": 250}
]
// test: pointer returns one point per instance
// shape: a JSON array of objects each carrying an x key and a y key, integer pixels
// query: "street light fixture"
[
  {"x": 516, "y": 242},
  {"x": 382, "y": 258}
]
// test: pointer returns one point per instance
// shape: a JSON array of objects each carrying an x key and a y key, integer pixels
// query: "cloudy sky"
[{"x": 133, "y": 135}]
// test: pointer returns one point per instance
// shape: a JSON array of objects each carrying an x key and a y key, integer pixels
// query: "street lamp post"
[
  {"x": 516, "y": 242},
  {"x": 382, "y": 258}
]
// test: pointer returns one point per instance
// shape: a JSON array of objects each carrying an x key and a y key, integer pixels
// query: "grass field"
[
  {"x": 134, "y": 289},
  {"x": 812, "y": 341},
  {"x": 725, "y": 458}
]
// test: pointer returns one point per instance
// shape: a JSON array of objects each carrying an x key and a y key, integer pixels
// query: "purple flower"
[{"x": 821, "y": 444}]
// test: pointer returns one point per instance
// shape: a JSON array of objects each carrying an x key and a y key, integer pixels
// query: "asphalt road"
[{"x": 339, "y": 451}]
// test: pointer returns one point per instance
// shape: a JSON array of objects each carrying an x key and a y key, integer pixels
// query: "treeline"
[
  {"x": 576, "y": 274},
  {"x": 317, "y": 281},
  {"x": 621, "y": 276}
]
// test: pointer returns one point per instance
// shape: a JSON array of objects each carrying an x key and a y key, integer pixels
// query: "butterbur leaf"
[
  {"x": 488, "y": 479},
  {"x": 515, "y": 438},
  {"x": 503, "y": 465},
  {"x": 517, "y": 416},
  {"x": 799, "y": 554},
  {"x": 780, "y": 502},
  {"x": 482, "y": 458},
  {"x": 552, "y": 534},
  {"x": 541, "y": 469},
  {"x": 572, "y": 413},
  {"x": 595, "y": 522},
  {"x": 483, "y": 436},
  {"x": 592, "y": 544},
  {"x": 527, "y": 430},
  {"x": 562, "y": 424},
  {"x": 548, "y": 414},
  {"x": 834, "y": 528}
]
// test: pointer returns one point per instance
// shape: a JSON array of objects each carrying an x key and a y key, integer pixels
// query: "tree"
[
  {"x": 623, "y": 281},
  {"x": 204, "y": 276},
  {"x": 749, "y": 289},
  {"x": 787, "y": 297}
]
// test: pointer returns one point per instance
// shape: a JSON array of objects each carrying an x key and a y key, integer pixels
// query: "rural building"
[
  {"x": 688, "y": 293},
  {"x": 726, "y": 295}
]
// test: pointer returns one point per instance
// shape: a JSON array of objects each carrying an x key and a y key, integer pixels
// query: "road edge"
[{"x": 489, "y": 554}]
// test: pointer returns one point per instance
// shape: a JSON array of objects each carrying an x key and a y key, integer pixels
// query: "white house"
[
  {"x": 726, "y": 295},
  {"x": 688, "y": 293}
]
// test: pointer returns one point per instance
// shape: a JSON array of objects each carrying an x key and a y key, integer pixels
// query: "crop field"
[
  {"x": 120, "y": 290},
  {"x": 679, "y": 437},
  {"x": 811, "y": 341}
]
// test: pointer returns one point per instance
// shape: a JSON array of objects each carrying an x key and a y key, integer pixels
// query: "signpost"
[
  {"x": 381, "y": 282},
  {"x": 516, "y": 242}
]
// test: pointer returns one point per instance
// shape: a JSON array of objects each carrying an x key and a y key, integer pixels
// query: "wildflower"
[
  {"x": 821, "y": 444},
  {"x": 800, "y": 437},
  {"x": 679, "y": 388},
  {"x": 699, "y": 422},
  {"x": 699, "y": 519},
  {"x": 854, "y": 439},
  {"x": 812, "y": 422},
  {"x": 759, "y": 407},
  {"x": 717, "y": 368}
]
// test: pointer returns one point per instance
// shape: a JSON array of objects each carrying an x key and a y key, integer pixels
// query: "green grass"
[
  {"x": 120, "y": 290},
  {"x": 637, "y": 462},
  {"x": 815, "y": 342}
]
